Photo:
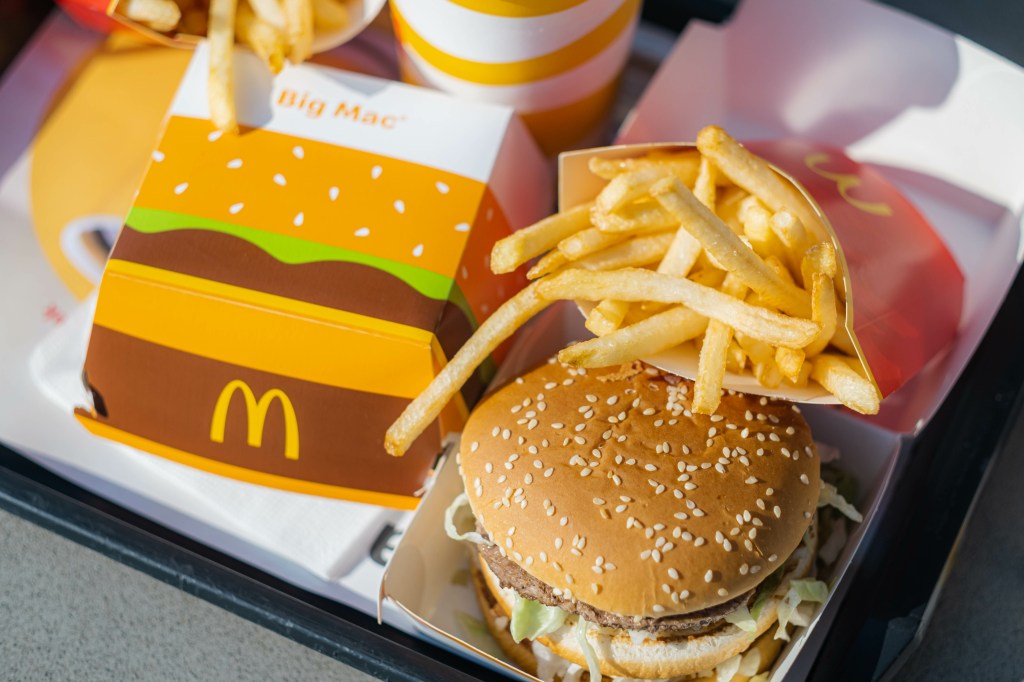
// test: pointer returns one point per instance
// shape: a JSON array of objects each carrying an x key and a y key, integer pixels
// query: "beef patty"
[{"x": 510, "y": 575}]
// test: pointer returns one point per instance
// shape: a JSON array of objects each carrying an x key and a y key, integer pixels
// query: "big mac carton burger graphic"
[{"x": 276, "y": 297}]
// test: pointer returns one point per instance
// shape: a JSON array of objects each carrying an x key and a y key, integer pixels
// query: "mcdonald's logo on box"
[{"x": 276, "y": 298}]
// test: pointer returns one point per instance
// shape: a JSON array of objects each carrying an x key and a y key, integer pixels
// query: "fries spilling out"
[
  {"x": 275, "y": 30},
  {"x": 708, "y": 248}
]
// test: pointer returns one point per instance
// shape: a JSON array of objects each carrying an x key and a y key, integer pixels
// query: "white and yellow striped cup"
[{"x": 556, "y": 61}]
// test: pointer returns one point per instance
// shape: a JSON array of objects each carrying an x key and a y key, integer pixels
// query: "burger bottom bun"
[{"x": 653, "y": 659}]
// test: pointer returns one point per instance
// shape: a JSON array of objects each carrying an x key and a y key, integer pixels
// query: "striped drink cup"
[{"x": 556, "y": 61}]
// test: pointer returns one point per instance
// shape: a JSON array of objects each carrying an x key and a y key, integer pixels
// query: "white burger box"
[{"x": 932, "y": 112}]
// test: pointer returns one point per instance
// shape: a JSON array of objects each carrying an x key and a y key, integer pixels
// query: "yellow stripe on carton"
[{"x": 265, "y": 332}]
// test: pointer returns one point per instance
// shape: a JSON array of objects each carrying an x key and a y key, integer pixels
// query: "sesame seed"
[
  {"x": 727, "y": 545},
  {"x": 659, "y": 543},
  {"x": 548, "y": 472},
  {"x": 488, "y": 467},
  {"x": 595, "y": 588},
  {"x": 658, "y": 608},
  {"x": 659, "y": 422},
  {"x": 684, "y": 594},
  {"x": 509, "y": 466},
  {"x": 569, "y": 579},
  {"x": 649, "y": 533},
  {"x": 709, "y": 576},
  {"x": 755, "y": 569},
  {"x": 585, "y": 471},
  {"x": 612, "y": 400},
  {"x": 773, "y": 558},
  {"x": 769, "y": 492},
  {"x": 563, "y": 521},
  {"x": 719, "y": 537},
  {"x": 722, "y": 592},
  {"x": 644, "y": 555},
  {"x": 689, "y": 485},
  {"x": 495, "y": 431},
  {"x": 621, "y": 508},
  {"x": 649, "y": 411},
  {"x": 712, "y": 431},
  {"x": 698, "y": 542},
  {"x": 678, "y": 494},
  {"x": 557, "y": 425},
  {"x": 659, "y": 490},
  {"x": 774, "y": 437},
  {"x": 804, "y": 479},
  {"x": 751, "y": 480},
  {"x": 681, "y": 516},
  {"x": 688, "y": 536},
  {"x": 616, "y": 479},
  {"x": 532, "y": 424},
  {"x": 752, "y": 534},
  {"x": 720, "y": 468},
  {"x": 474, "y": 446},
  {"x": 673, "y": 573},
  {"x": 656, "y": 555},
  {"x": 698, "y": 512},
  {"x": 666, "y": 588},
  {"x": 558, "y": 543},
  {"x": 777, "y": 511},
  {"x": 528, "y": 479},
  {"x": 580, "y": 440},
  {"x": 506, "y": 434},
  {"x": 744, "y": 569},
  {"x": 598, "y": 500}
]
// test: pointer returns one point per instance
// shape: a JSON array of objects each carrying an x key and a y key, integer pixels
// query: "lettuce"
[
  {"x": 460, "y": 501},
  {"x": 594, "y": 668},
  {"x": 727, "y": 669},
  {"x": 531, "y": 619},
  {"x": 764, "y": 591},
  {"x": 803, "y": 590},
  {"x": 742, "y": 619},
  {"x": 830, "y": 497}
]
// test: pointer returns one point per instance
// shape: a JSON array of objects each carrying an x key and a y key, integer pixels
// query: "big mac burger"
[{"x": 619, "y": 534}]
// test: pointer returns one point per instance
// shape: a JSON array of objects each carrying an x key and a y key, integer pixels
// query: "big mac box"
[{"x": 275, "y": 298}]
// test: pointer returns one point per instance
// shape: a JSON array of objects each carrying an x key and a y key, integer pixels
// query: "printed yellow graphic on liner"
[{"x": 313, "y": 191}]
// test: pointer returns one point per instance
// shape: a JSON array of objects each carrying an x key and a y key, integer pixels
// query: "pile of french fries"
[
  {"x": 274, "y": 29},
  {"x": 707, "y": 246}
]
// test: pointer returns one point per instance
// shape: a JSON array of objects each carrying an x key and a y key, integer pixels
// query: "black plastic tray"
[{"x": 901, "y": 570}]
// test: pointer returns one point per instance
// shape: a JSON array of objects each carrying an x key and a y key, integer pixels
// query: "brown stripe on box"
[
  {"x": 170, "y": 396},
  {"x": 220, "y": 257}
]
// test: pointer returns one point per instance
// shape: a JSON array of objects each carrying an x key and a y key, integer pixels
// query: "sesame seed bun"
[{"x": 603, "y": 485}]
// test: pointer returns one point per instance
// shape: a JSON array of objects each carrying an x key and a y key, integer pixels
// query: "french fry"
[
  {"x": 639, "y": 216},
  {"x": 629, "y": 254},
  {"x": 549, "y": 263},
  {"x": 632, "y": 284},
  {"x": 704, "y": 186},
  {"x": 159, "y": 15},
  {"x": 803, "y": 378},
  {"x": 220, "y": 84},
  {"x": 418, "y": 415},
  {"x": 629, "y": 186},
  {"x": 735, "y": 358},
  {"x": 756, "y": 176},
  {"x": 758, "y": 351},
  {"x": 330, "y": 15},
  {"x": 707, "y": 393},
  {"x": 756, "y": 222},
  {"x": 606, "y": 317},
  {"x": 683, "y": 164},
  {"x": 298, "y": 21},
  {"x": 790, "y": 362},
  {"x": 727, "y": 206},
  {"x": 588, "y": 241},
  {"x": 793, "y": 236},
  {"x": 270, "y": 12},
  {"x": 647, "y": 337},
  {"x": 819, "y": 258},
  {"x": 767, "y": 374},
  {"x": 823, "y": 311},
  {"x": 682, "y": 255},
  {"x": 849, "y": 387},
  {"x": 265, "y": 40},
  {"x": 520, "y": 246},
  {"x": 841, "y": 339},
  {"x": 728, "y": 249}
]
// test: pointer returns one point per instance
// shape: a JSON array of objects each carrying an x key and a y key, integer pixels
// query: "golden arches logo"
[
  {"x": 844, "y": 183},
  {"x": 256, "y": 416}
]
